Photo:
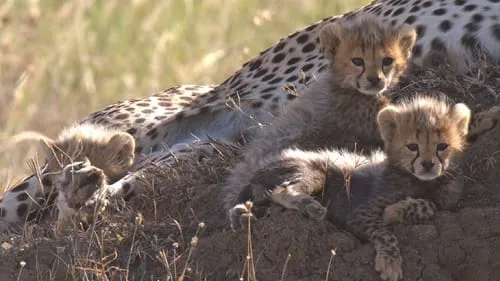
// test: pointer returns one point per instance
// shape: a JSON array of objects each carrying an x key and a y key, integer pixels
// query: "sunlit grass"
[{"x": 61, "y": 60}]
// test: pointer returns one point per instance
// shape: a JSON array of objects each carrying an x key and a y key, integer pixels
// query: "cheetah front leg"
[
  {"x": 367, "y": 221},
  {"x": 483, "y": 122}
]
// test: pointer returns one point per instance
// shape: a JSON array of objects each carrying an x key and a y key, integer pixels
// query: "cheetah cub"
[
  {"x": 417, "y": 174},
  {"x": 110, "y": 150},
  {"x": 339, "y": 110}
]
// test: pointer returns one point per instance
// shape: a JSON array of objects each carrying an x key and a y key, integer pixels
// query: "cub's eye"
[
  {"x": 442, "y": 146},
  {"x": 358, "y": 61},
  {"x": 387, "y": 61},
  {"x": 412, "y": 146}
]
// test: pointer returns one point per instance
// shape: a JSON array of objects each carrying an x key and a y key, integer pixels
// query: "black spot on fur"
[
  {"x": 311, "y": 27},
  {"x": 302, "y": 38},
  {"x": 268, "y": 89},
  {"x": 122, "y": 116},
  {"x": 293, "y": 61},
  {"x": 471, "y": 27},
  {"x": 21, "y": 187},
  {"x": 414, "y": 9},
  {"x": 309, "y": 48},
  {"x": 140, "y": 120},
  {"x": 292, "y": 78},
  {"x": 388, "y": 12},
  {"x": 266, "y": 96},
  {"x": 22, "y": 209},
  {"x": 268, "y": 77},
  {"x": 410, "y": 19},
  {"x": 420, "y": 31},
  {"x": 260, "y": 73},
  {"x": 427, "y": 4},
  {"x": 445, "y": 25},
  {"x": 438, "y": 45},
  {"x": 22, "y": 196},
  {"x": 3, "y": 212},
  {"x": 439, "y": 12},
  {"x": 279, "y": 47},
  {"x": 276, "y": 80},
  {"x": 290, "y": 70},
  {"x": 398, "y": 12},
  {"x": 278, "y": 58},
  {"x": 307, "y": 67},
  {"x": 470, "y": 7},
  {"x": 459, "y": 2},
  {"x": 477, "y": 18},
  {"x": 469, "y": 41}
]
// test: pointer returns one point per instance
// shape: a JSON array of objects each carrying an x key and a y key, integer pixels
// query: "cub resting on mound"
[
  {"x": 417, "y": 174},
  {"x": 339, "y": 110}
]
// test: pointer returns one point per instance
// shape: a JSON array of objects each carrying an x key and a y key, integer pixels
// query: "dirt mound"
[{"x": 175, "y": 228}]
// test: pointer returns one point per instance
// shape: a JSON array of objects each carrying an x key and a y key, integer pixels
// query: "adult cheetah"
[{"x": 257, "y": 92}]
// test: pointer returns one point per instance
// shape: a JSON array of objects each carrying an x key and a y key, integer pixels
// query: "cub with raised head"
[
  {"x": 339, "y": 110},
  {"x": 416, "y": 175}
]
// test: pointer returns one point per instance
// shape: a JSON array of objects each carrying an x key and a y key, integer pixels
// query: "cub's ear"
[
  {"x": 120, "y": 149},
  {"x": 406, "y": 36},
  {"x": 461, "y": 114},
  {"x": 330, "y": 37},
  {"x": 387, "y": 122}
]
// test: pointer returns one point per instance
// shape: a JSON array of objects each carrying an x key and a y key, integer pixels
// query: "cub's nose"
[
  {"x": 374, "y": 80},
  {"x": 428, "y": 165}
]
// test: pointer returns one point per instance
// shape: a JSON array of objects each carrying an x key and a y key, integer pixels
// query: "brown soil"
[{"x": 176, "y": 230}]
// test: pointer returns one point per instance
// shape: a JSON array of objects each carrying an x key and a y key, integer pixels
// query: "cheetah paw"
[
  {"x": 389, "y": 265},
  {"x": 239, "y": 217},
  {"x": 79, "y": 186},
  {"x": 312, "y": 208},
  {"x": 484, "y": 121},
  {"x": 393, "y": 213}
]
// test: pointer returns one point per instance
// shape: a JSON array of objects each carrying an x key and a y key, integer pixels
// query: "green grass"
[{"x": 61, "y": 60}]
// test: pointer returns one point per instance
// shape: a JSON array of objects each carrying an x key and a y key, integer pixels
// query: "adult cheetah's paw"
[
  {"x": 389, "y": 264},
  {"x": 484, "y": 121},
  {"x": 240, "y": 215}
]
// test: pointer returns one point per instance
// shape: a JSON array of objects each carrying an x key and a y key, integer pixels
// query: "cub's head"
[
  {"x": 423, "y": 134},
  {"x": 112, "y": 151},
  {"x": 366, "y": 55}
]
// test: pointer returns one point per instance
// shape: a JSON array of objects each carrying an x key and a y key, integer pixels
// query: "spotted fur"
[
  {"x": 340, "y": 109},
  {"x": 365, "y": 193},
  {"x": 186, "y": 116}
]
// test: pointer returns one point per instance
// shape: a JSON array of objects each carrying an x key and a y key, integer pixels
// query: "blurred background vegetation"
[{"x": 61, "y": 60}]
